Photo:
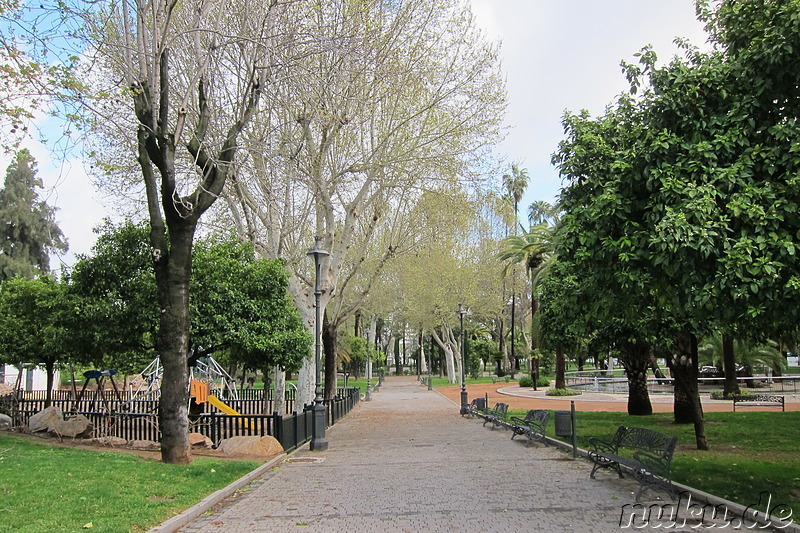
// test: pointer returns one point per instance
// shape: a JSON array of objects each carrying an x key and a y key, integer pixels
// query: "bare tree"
[
  {"x": 390, "y": 99},
  {"x": 191, "y": 77}
]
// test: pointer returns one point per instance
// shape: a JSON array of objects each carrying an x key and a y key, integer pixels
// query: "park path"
[{"x": 407, "y": 462}]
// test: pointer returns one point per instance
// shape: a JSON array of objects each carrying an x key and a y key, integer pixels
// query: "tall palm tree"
[
  {"x": 515, "y": 183},
  {"x": 534, "y": 250}
]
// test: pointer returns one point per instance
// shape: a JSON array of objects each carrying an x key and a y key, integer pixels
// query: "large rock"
[
  {"x": 45, "y": 419},
  {"x": 114, "y": 442},
  {"x": 5, "y": 421},
  {"x": 251, "y": 446},
  {"x": 198, "y": 440},
  {"x": 144, "y": 445},
  {"x": 76, "y": 427}
]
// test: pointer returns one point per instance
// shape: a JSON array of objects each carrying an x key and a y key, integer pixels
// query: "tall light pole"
[
  {"x": 318, "y": 440},
  {"x": 464, "y": 400}
]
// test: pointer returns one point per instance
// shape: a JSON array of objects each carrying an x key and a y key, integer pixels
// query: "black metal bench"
[
  {"x": 650, "y": 461},
  {"x": 497, "y": 415},
  {"x": 476, "y": 408},
  {"x": 760, "y": 400},
  {"x": 532, "y": 426}
]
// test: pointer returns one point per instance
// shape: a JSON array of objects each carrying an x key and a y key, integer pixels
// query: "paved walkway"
[{"x": 406, "y": 462}]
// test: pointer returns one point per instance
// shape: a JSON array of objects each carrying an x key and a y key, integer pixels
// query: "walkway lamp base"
[
  {"x": 464, "y": 402},
  {"x": 318, "y": 441}
]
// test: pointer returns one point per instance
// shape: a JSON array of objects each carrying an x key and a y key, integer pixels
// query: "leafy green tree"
[
  {"x": 36, "y": 324},
  {"x": 240, "y": 305},
  {"x": 119, "y": 305},
  {"x": 28, "y": 233}
]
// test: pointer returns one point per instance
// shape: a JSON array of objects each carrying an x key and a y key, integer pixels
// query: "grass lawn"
[
  {"x": 45, "y": 488},
  {"x": 750, "y": 452}
]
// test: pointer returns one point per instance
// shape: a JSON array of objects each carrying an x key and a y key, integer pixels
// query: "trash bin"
[{"x": 563, "y": 423}]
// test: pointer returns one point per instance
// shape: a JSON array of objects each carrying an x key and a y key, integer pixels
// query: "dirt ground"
[
  {"x": 453, "y": 392},
  {"x": 155, "y": 455}
]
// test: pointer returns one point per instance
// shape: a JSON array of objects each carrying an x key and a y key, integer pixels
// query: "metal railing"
[
  {"x": 597, "y": 381},
  {"x": 138, "y": 419}
]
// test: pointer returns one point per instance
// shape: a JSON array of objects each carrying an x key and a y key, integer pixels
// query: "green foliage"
[
  {"x": 118, "y": 302},
  {"x": 562, "y": 392},
  {"x": 526, "y": 381},
  {"x": 240, "y": 306},
  {"x": 35, "y": 321},
  {"x": 118, "y": 493},
  {"x": 478, "y": 350},
  {"x": 753, "y": 357},
  {"x": 29, "y": 232}
]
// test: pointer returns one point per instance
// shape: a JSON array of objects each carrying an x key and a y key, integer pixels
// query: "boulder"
[
  {"x": 5, "y": 421},
  {"x": 144, "y": 445},
  {"x": 198, "y": 440},
  {"x": 45, "y": 419},
  {"x": 114, "y": 442},
  {"x": 251, "y": 446},
  {"x": 77, "y": 427},
  {"x": 6, "y": 390}
]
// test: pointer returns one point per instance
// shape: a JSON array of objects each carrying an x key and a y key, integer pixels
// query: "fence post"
[{"x": 213, "y": 425}]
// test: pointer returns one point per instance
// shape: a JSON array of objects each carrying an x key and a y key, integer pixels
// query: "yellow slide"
[{"x": 225, "y": 408}]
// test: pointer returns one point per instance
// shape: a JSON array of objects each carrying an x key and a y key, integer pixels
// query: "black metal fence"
[{"x": 138, "y": 419}]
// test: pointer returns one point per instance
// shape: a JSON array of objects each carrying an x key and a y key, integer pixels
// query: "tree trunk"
[
  {"x": 561, "y": 367},
  {"x": 688, "y": 408},
  {"x": 731, "y": 386},
  {"x": 50, "y": 369},
  {"x": 636, "y": 360},
  {"x": 279, "y": 394},
  {"x": 329, "y": 333},
  {"x": 514, "y": 360},
  {"x": 173, "y": 273}
]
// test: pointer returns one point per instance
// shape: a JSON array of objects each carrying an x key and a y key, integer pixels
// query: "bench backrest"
[
  {"x": 645, "y": 439},
  {"x": 478, "y": 404},
  {"x": 500, "y": 410},
  {"x": 537, "y": 415}
]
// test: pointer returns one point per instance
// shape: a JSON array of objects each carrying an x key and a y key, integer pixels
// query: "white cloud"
[
  {"x": 68, "y": 188},
  {"x": 565, "y": 55}
]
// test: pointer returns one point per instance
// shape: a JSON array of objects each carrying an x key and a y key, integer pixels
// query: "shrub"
[
  {"x": 563, "y": 392},
  {"x": 526, "y": 381},
  {"x": 719, "y": 395}
]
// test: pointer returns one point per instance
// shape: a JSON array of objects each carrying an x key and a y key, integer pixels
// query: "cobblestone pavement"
[{"x": 407, "y": 462}]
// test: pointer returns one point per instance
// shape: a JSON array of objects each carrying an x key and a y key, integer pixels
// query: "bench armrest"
[{"x": 602, "y": 446}]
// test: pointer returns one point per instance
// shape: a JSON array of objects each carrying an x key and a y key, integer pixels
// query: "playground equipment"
[
  {"x": 99, "y": 394},
  {"x": 199, "y": 391},
  {"x": 147, "y": 384}
]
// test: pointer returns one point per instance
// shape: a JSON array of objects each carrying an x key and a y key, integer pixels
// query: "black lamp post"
[
  {"x": 430, "y": 368},
  {"x": 464, "y": 400},
  {"x": 318, "y": 440}
]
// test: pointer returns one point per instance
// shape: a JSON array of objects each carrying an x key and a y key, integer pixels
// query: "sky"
[
  {"x": 563, "y": 55},
  {"x": 557, "y": 55}
]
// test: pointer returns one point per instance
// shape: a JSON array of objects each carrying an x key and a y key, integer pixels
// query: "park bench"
[
  {"x": 650, "y": 460},
  {"x": 477, "y": 407},
  {"x": 760, "y": 400},
  {"x": 495, "y": 379},
  {"x": 532, "y": 426},
  {"x": 497, "y": 415}
]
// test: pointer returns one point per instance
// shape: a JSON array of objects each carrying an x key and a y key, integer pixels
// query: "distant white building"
[{"x": 33, "y": 377}]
